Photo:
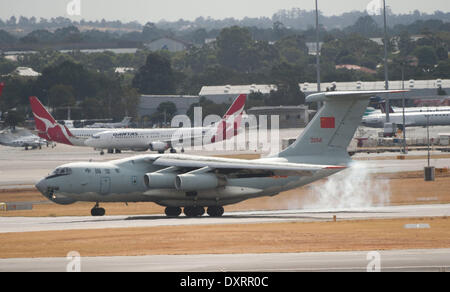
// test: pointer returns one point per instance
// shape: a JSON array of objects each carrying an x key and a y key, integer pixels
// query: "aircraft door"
[{"x": 105, "y": 185}]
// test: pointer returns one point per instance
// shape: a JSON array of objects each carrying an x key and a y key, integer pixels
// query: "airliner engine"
[
  {"x": 160, "y": 180},
  {"x": 204, "y": 181},
  {"x": 158, "y": 146}
]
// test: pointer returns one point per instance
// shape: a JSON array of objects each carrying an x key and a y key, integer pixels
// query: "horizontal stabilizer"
[{"x": 331, "y": 95}]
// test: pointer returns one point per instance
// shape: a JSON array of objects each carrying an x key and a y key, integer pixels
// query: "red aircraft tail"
[
  {"x": 231, "y": 122},
  {"x": 47, "y": 126},
  {"x": 1, "y": 87}
]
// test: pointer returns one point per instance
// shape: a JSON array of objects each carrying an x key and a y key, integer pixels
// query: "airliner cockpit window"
[{"x": 60, "y": 172}]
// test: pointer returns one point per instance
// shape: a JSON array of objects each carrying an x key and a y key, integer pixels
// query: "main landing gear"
[
  {"x": 197, "y": 211},
  {"x": 111, "y": 151},
  {"x": 173, "y": 150},
  {"x": 97, "y": 211}
]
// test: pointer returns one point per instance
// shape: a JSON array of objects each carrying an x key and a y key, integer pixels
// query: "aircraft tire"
[
  {"x": 215, "y": 211},
  {"x": 173, "y": 211},
  {"x": 194, "y": 211},
  {"x": 97, "y": 212}
]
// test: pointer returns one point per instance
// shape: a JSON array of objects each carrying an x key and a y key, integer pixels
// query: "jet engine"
[
  {"x": 160, "y": 180},
  {"x": 195, "y": 182},
  {"x": 158, "y": 146}
]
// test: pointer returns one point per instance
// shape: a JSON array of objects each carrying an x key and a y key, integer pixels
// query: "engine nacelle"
[
  {"x": 198, "y": 182},
  {"x": 158, "y": 146},
  {"x": 160, "y": 180}
]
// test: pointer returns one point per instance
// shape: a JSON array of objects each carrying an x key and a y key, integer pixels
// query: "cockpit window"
[{"x": 60, "y": 172}]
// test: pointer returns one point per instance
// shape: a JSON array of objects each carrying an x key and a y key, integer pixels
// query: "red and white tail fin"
[
  {"x": 2, "y": 85},
  {"x": 229, "y": 126},
  {"x": 383, "y": 108},
  {"x": 47, "y": 126}
]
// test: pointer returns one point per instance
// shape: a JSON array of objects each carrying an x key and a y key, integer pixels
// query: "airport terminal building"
[{"x": 437, "y": 90}]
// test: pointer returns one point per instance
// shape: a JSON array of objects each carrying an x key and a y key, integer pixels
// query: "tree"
[
  {"x": 130, "y": 100},
  {"x": 405, "y": 44},
  {"x": 151, "y": 32},
  {"x": 13, "y": 118},
  {"x": 6, "y": 38},
  {"x": 164, "y": 113},
  {"x": 61, "y": 96},
  {"x": 208, "y": 108},
  {"x": 156, "y": 76},
  {"x": 69, "y": 73},
  {"x": 287, "y": 77},
  {"x": 232, "y": 44},
  {"x": 6, "y": 66},
  {"x": 365, "y": 26},
  {"x": 427, "y": 57}
]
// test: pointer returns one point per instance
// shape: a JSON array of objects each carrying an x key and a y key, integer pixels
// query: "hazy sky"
[{"x": 150, "y": 10}]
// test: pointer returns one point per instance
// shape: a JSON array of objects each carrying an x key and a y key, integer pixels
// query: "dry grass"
[{"x": 223, "y": 239}]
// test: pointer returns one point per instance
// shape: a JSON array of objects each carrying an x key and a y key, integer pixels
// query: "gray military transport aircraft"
[{"x": 194, "y": 183}]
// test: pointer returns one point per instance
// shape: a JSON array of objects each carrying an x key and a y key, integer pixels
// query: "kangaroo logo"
[
  {"x": 49, "y": 126},
  {"x": 47, "y": 123}
]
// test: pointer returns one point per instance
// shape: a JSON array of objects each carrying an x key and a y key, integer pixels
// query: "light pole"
[
  {"x": 317, "y": 48},
  {"x": 386, "y": 76},
  {"x": 403, "y": 104},
  {"x": 319, "y": 104}
]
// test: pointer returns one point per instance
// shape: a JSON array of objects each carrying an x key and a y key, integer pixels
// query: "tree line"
[{"x": 237, "y": 56}]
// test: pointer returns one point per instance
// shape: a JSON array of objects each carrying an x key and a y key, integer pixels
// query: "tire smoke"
[{"x": 353, "y": 188}]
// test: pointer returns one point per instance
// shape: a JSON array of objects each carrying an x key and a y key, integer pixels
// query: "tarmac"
[
  {"x": 33, "y": 224},
  {"x": 21, "y": 169},
  {"x": 421, "y": 260}
]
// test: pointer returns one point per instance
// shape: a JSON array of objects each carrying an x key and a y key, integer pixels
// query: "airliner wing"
[{"x": 229, "y": 165}]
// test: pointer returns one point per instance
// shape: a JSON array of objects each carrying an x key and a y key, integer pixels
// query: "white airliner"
[
  {"x": 412, "y": 119},
  {"x": 162, "y": 139},
  {"x": 194, "y": 183},
  {"x": 48, "y": 128},
  {"x": 132, "y": 139}
]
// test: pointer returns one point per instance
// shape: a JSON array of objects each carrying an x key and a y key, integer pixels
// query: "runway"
[
  {"x": 29, "y": 224},
  {"x": 30, "y": 166},
  {"x": 393, "y": 260}
]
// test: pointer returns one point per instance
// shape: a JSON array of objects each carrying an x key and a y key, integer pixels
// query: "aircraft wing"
[{"x": 227, "y": 165}]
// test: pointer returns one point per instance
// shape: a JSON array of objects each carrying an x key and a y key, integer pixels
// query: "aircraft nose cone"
[{"x": 42, "y": 186}]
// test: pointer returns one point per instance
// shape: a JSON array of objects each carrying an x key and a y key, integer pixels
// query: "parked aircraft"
[
  {"x": 194, "y": 183},
  {"x": 162, "y": 139},
  {"x": 26, "y": 142},
  {"x": 48, "y": 128},
  {"x": 412, "y": 119},
  {"x": 419, "y": 109}
]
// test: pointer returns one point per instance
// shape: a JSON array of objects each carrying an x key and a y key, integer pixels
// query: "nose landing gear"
[{"x": 97, "y": 211}]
